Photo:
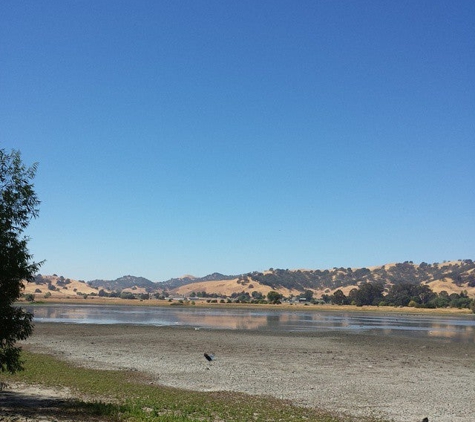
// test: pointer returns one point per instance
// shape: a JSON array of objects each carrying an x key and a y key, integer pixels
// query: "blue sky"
[{"x": 189, "y": 137}]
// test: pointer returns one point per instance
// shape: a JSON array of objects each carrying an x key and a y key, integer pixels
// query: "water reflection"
[{"x": 461, "y": 328}]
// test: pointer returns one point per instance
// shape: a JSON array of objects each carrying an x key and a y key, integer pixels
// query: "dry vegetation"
[{"x": 452, "y": 277}]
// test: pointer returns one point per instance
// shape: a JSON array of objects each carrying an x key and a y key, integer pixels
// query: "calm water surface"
[{"x": 458, "y": 329}]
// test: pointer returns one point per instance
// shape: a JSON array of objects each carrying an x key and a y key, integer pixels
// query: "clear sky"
[{"x": 188, "y": 137}]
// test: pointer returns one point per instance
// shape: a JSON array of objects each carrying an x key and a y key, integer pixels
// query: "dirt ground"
[
  {"x": 24, "y": 403},
  {"x": 400, "y": 378}
]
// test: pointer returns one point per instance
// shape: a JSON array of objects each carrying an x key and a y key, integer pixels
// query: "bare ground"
[
  {"x": 29, "y": 403},
  {"x": 397, "y": 378}
]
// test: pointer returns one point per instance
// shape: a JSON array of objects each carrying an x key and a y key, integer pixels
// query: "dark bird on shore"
[
  {"x": 209, "y": 357},
  {"x": 425, "y": 420}
]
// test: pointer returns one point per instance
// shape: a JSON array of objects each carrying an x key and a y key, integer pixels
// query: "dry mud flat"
[{"x": 396, "y": 378}]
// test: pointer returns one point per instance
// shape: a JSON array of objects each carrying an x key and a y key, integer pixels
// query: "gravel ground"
[{"x": 401, "y": 379}]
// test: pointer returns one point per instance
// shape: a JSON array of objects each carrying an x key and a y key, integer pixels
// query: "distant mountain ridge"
[
  {"x": 129, "y": 281},
  {"x": 125, "y": 282},
  {"x": 461, "y": 273},
  {"x": 173, "y": 283}
]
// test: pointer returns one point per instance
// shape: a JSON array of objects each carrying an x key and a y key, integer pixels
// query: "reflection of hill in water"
[
  {"x": 450, "y": 332},
  {"x": 240, "y": 322},
  {"x": 60, "y": 312},
  {"x": 448, "y": 328},
  {"x": 225, "y": 321}
]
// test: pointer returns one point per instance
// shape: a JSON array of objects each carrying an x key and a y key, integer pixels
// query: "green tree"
[
  {"x": 369, "y": 294},
  {"x": 308, "y": 295},
  {"x": 339, "y": 298},
  {"x": 18, "y": 205},
  {"x": 257, "y": 295},
  {"x": 127, "y": 295},
  {"x": 401, "y": 294},
  {"x": 274, "y": 297}
]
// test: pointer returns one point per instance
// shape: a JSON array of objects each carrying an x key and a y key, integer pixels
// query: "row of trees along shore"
[{"x": 403, "y": 294}]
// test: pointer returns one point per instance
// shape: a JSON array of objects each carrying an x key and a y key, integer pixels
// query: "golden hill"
[
  {"x": 451, "y": 276},
  {"x": 58, "y": 287},
  {"x": 228, "y": 287}
]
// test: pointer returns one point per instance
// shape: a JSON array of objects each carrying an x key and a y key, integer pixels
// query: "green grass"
[{"x": 129, "y": 396}]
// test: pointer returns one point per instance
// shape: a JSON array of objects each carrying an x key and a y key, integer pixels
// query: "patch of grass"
[{"x": 129, "y": 396}]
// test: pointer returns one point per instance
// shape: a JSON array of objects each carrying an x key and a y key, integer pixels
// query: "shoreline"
[
  {"x": 359, "y": 374},
  {"x": 287, "y": 307}
]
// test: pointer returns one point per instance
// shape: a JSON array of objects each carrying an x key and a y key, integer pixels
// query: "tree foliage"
[
  {"x": 18, "y": 205},
  {"x": 274, "y": 297},
  {"x": 404, "y": 294},
  {"x": 367, "y": 294}
]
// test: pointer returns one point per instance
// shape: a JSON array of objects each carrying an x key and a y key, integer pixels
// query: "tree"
[
  {"x": 339, "y": 298},
  {"x": 18, "y": 205},
  {"x": 257, "y": 295},
  {"x": 369, "y": 294},
  {"x": 274, "y": 297},
  {"x": 127, "y": 295},
  {"x": 308, "y": 295}
]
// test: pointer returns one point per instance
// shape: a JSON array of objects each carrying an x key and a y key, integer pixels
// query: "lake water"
[{"x": 449, "y": 328}]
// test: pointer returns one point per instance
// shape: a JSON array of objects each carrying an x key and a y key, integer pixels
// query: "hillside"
[
  {"x": 455, "y": 276},
  {"x": 452, "y": 277},
  {"x": 175, "y": 283},
  {"x": 58, "y": 287},
  {"x": 125, "y": 282},
  {"x": 228, "y": 288}
]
